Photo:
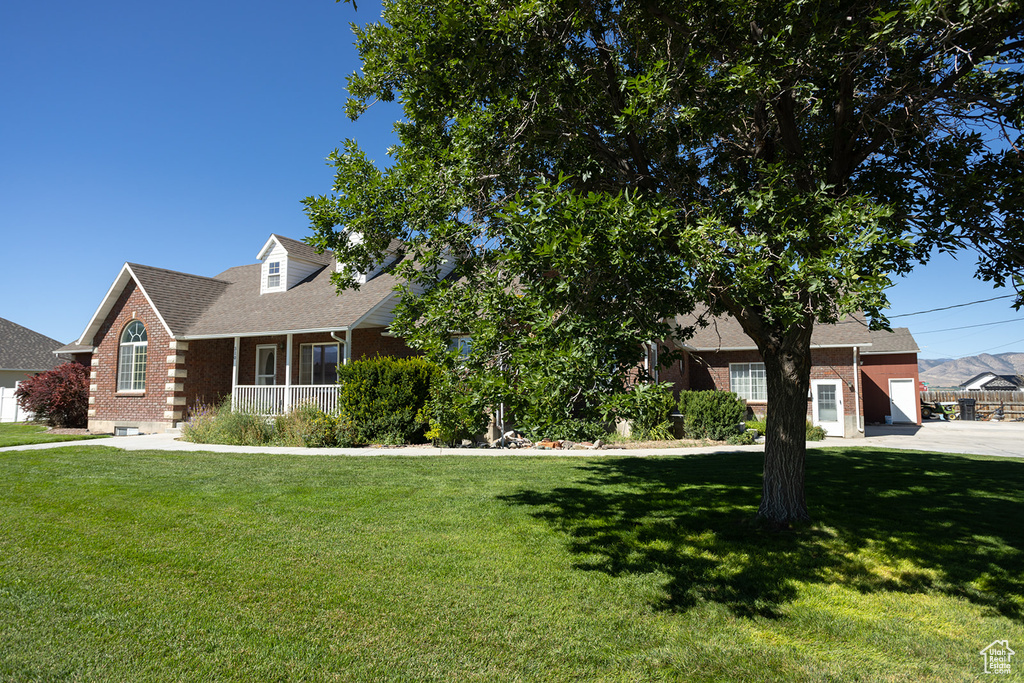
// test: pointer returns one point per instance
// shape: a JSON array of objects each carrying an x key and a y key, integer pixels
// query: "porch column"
[
  {"x": 234, "y": 368},
  {"x": 288, "y": 374},
  {"x": 347, "y": 358}
]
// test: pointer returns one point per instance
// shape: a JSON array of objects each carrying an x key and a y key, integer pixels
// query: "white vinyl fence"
[{"x": 10, "y": 411}]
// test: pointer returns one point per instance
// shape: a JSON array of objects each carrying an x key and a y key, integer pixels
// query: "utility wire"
[
  {"x": 946, "y": 308},
  {"x": 967, "y": 327}
]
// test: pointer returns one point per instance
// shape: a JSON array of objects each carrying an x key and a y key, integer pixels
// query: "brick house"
[
  {"x": 854, "y": 371},
  {"x": 269, "y": 335}
]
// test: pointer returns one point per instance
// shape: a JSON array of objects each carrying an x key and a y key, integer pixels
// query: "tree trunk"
[{"x": 787, "y": 366}]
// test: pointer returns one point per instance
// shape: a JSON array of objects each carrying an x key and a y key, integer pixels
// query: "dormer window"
[{"x": 287, "y": 263}]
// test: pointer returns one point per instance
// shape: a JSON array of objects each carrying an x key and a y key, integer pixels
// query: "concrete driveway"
[{"x": 980, "y": 438}]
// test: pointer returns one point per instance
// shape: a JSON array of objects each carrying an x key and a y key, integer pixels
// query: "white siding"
[
  {"x": 279, "y": 255},
  {"x": 298, "y": 270}
]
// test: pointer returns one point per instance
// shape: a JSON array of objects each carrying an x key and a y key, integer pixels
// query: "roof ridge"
[{"x": 175, "y": 272}]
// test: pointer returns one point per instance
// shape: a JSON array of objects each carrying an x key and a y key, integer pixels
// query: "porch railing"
[{"x": 279, "y": 399}]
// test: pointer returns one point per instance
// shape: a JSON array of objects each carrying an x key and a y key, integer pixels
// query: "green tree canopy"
[{"x": 598, "y": 167}]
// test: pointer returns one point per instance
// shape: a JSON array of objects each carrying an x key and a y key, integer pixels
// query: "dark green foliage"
[
  {"x": 714, "y": 415},
  {"x": 381, "y": 400},
  {"x": 815, "y": 433},
  {"x": 59, "y": 397},
  {"x": 744, "y": 438},
  {"x": 646, "y": 407},
  {"x": 453, "y": 411},
  {"x": 599, "y": 168}
]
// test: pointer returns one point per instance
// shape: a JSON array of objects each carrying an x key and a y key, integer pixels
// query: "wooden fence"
[{"x": 986, "y": 402}]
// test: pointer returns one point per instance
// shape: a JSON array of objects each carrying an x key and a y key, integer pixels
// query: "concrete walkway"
[{"x": 979, "y": 438}]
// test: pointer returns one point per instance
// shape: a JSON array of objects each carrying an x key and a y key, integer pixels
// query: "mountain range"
[{"x": 951, "y": 372}]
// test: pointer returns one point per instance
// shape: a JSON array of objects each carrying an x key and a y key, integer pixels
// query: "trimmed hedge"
[
  {"x": 714, "y": 415},
  {"x": 381, "y": 400}
]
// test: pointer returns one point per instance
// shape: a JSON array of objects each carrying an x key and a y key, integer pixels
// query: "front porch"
[{"x": 279, "y": 399}]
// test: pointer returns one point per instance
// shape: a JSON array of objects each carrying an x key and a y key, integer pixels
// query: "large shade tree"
[{"x": 597, "y": 167}]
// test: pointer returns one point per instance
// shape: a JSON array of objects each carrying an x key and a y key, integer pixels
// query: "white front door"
[
  {"x": 902, "y": 401},
  {"x": 266, "y": 365},
  {"x": 827, "y": 406}
]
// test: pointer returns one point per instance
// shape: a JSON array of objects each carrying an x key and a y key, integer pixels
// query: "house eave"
[
  {"x": 269, "y": 333},
  {"x": 716, "y": 349}
]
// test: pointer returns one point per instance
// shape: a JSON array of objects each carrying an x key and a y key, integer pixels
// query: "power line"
[
  {"x": 993, "y": 348},
  {"x": 967, "y": 327},
  {"x": 946, "y": 308}
]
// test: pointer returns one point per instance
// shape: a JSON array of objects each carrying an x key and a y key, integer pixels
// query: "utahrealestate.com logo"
[{"x": 997, "y": 657}]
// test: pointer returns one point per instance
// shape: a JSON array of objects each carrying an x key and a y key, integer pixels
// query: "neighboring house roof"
[
  {"x": 230, "y": 304},
  {"x": 990, "y": 380},
  {"x": 896, "y": 340},
  {"x": 25, "y": 349},
  {"x": 724, "y": 333}
]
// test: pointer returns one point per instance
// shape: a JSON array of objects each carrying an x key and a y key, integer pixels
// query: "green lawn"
[
  {"x": 22, "y": 433},
  {"x": 183, "y": 566}
]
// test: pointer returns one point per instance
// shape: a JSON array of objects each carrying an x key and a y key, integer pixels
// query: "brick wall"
[
  {"x": 876, "y": 372},
  {"x": 706, "y": 371},
  {"x": 206, "y": 375},
  {"x": 366, "y": 343},
  {"x": 109, "y": 407}
]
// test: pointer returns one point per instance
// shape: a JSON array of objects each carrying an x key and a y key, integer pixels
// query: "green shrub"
[
  {"x": 714, "y": 415},
  {"x": 745, "y": 438},
  {"x": 815, "y": 433},
  {"x": 452, "y": 411},
  {"x": 201, "y": 425},
  {"x": 759, "y": 425},
  {"x": 646, "y": 407},
  {"x": 381, "y": 400},
  {"x": 223, "y": 425}
]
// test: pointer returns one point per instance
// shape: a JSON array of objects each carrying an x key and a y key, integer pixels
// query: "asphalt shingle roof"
[
  {"x": 899, "y": 340},
  {"x": 25, "y": 349},
  {"x": 725, "y": 332},
  {"x": 312, "y": 304},
  {"x": 302, "y": 250}
]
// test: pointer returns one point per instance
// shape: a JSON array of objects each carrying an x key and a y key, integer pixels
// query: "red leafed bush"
[{"x": 60, "y": 396}]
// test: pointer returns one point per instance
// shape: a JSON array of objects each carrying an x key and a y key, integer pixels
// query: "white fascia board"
[
  {"x": 107, "y": 305},
  {"x": 373, "y": 309},
  {"x": 268, "y": 333},
  {"x": 266, "y": 247}
]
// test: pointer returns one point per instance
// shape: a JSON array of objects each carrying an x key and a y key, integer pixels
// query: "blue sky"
[{"x": 180, "y": 135}]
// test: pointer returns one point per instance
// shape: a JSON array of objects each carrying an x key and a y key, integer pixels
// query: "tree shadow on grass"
[{"x": 884, "y": 521}]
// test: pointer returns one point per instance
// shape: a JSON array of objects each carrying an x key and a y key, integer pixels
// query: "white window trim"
[
  {"x": 282, "y": 273},
  {"x": 302, "y": 348},
  {"x": 135, "y": 346},
  {"x": 748, "y": 399},
  {"x": 258, "y": 372}
]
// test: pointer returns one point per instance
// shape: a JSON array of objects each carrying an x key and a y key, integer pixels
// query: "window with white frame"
[
  {"x": 273, "y": 275},
  {"x": 747, "y": 381},
  {"x": 461, "y": 344},
  {"x": 318, "y": 364},
  {"x": 131, "y": 364}
]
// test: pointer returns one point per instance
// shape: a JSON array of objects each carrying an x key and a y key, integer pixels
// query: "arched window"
[{"x": 131, "y": 366}]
